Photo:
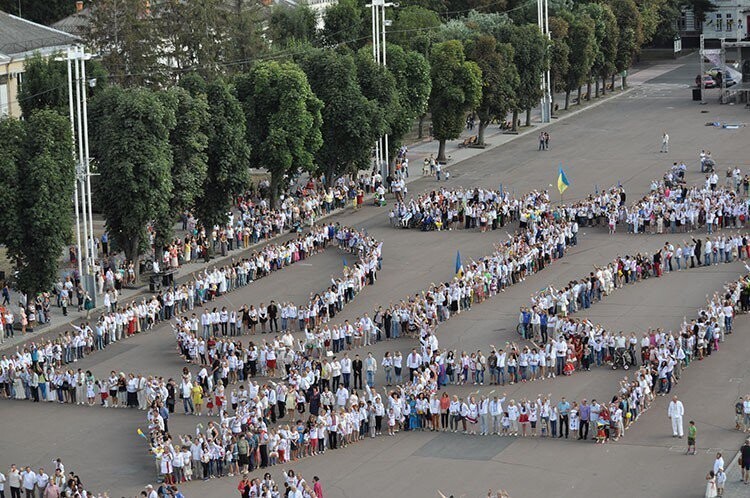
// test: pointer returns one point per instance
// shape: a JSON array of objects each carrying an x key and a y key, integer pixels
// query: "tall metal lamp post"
[
  {"x": 543, "y": 21},
  {"x": 76, "y": 58},
  {"x": 379, "y": 24}
]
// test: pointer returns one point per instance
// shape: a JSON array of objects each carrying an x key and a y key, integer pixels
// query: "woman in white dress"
[
  {"x": 711, "y": 485},
  {"x": 574, "y": 420},
  {"x": 18, "y": 385}
]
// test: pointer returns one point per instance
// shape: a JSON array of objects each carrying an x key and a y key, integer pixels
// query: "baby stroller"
[{"x": 623, "y": 359}]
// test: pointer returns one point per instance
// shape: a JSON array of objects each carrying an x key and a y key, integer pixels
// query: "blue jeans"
[
  {"x": 187, "y": 404},
  {"x": 370, "y": 378},
  {"x": 501, "y": 374},
  {"x": 480, "y": 376}
]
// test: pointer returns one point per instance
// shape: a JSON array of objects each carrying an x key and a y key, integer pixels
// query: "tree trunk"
[
  {"x": 130, "y": 248},
  {"x": 588, "y": 90},
  {"x": 273, "y": 190},
  {"x": 567, "y": 99},
  {"x": 579, "y": 95},
  {"x": 329, "y": 176},
  {"x": 515, "y": 120},
  {"x": 480, "y": 133},
  {"x": 552, "y": 104},
  {"x": 604, "y": 85},
  {"x": 613, "y": 82},
  {"x": 420, "y": 128},
  {"x": 624, "y": 82},
  {"x": 441, "y": 151},
  {"x": 596, "y": 88},
  {"x": 528, "y": 117}
]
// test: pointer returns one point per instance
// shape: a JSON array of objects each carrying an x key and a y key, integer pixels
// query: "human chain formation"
[
  {"x": 671, "y": 206},
  {"x": 337, "y": 419},
  {"x": 485, "y": 209},
  {"x": 43, "y": 365},
  {"x": 245, "y": 437},
  {"x": 254, "y": 221}
]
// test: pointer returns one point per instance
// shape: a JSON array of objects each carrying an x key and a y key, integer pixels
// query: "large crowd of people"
[
  {"x": 486, "y": 209},
  {"x": 318, "y": 395},
  {"x": 43, "y": 370}
]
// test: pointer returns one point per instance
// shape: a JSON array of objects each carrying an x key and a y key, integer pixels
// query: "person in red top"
[
  {"x": 244, "y": 486},
  {"x": 317, "y": 487}
]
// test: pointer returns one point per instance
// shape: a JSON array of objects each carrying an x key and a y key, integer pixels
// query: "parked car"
[
  {"x": 714, "y": 73},
  {"x": 708, "y": 81}
]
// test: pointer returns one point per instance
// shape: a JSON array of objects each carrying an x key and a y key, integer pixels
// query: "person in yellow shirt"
[{"x": 197, "y": 394}]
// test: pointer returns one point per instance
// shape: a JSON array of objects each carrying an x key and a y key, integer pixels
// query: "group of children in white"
[{"x": 315, "y": 381}]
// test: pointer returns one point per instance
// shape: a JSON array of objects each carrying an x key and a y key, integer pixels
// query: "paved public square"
[{"x": 615, "y": 142}]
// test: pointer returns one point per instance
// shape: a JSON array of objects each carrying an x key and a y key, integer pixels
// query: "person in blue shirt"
[
  {"x": 525, "y": 322},
  {"x": 563, "y": 408}
]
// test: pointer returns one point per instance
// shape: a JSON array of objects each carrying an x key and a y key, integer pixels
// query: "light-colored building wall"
[{"x": 730, "y": 20}]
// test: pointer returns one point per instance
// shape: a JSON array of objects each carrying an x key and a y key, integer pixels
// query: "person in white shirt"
[
  {"x": 42, "y": 479},
  {"x": 718, "y": 463},
  {"x": 675, "y": 412},
  {"x": 28, "y": 481}
]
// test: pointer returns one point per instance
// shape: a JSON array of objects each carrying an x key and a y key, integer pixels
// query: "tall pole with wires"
[
  {"x": 379, "y": 23},
  {"x": 546, "y": 84},
  {"x": 76, "y": 58}
]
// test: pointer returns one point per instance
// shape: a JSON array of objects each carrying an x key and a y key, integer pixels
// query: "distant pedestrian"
[
  {"x": 664, "y": 142},
  {"x": 745, "y": 461}
]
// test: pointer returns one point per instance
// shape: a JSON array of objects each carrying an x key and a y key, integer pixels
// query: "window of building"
[
  {"x": 719, "y": 22},
  {"x": 4, "y": 107},
  {"x": 730, "y": 22}
]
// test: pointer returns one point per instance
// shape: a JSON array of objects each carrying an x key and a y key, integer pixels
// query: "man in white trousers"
[{"x": 676, "y": 412}]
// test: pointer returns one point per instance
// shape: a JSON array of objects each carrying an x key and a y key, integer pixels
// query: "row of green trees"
[{"x": 167, "y": 137}]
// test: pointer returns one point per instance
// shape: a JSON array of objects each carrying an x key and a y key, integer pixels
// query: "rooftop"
[{"x": 19, "y": 36}]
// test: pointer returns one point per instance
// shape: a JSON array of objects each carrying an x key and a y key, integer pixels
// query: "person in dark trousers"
[
  {"x": 273, "y": 312},
  {"x": 357, "y": 369}
]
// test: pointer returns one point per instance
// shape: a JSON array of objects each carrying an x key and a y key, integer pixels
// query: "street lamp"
[
  {"x": 543, "y": 21},
  {"x": 379, "y": 22},
  {"x": 76, "y": 58}
]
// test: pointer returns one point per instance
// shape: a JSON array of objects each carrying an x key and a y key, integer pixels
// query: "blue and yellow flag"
[
  {"x": 459, "y": 265},
  {"x": 344, "y": 261},
  {"x": 562, "y": 180}
]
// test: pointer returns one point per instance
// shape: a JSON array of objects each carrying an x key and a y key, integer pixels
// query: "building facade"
[
  {"x": 729, "y": 21},
  {"x": 19, "y": 40}
]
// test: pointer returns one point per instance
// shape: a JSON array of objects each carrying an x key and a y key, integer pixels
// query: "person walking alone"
[
  {"x": 664, "y": 142},
  {"x": 675, "y": 412}
]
